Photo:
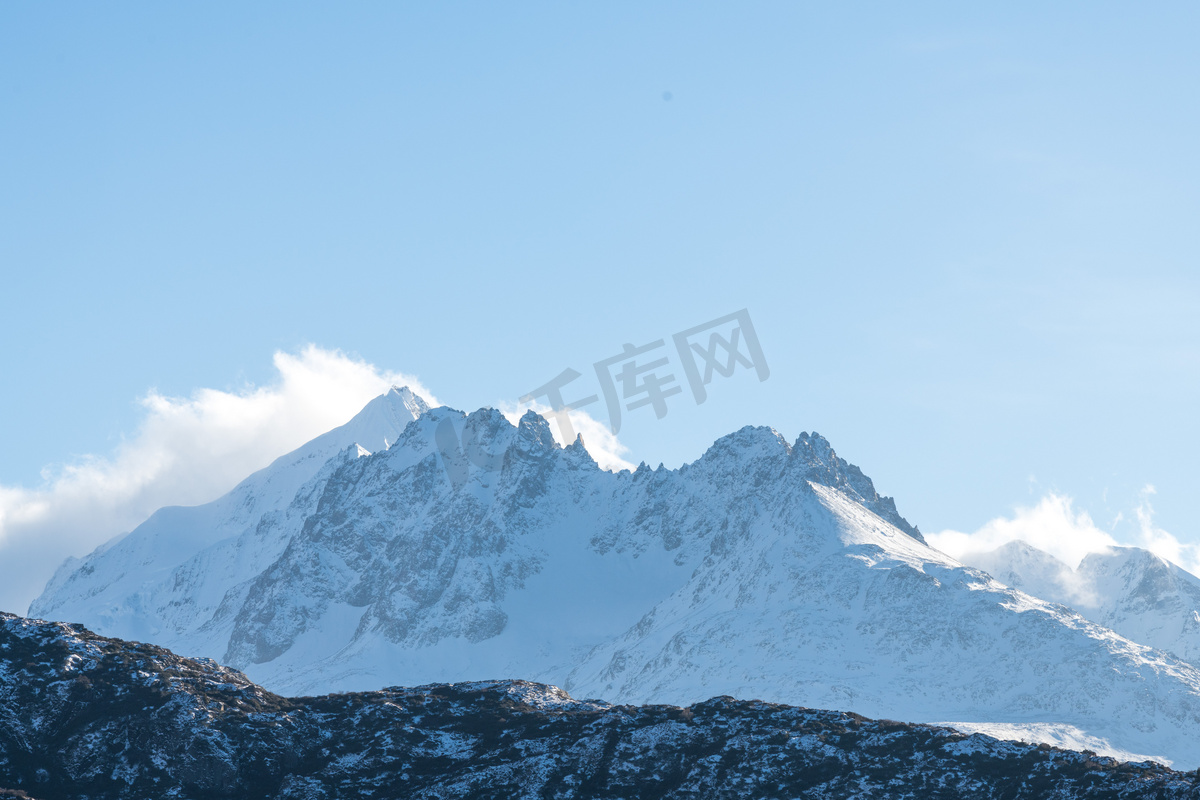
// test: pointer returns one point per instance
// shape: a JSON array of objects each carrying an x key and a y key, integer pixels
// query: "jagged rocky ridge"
[
  {"x": 473, "y": 548},
  {"x": 82, "y": 715}
]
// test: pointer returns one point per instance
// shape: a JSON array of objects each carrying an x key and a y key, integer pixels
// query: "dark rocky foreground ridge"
[{"x": 86, "y": 716}]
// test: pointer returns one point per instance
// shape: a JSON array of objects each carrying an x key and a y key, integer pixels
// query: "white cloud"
[
  {"x": 601, "y": 443},
  {"x": 185, "y": 451},
  {"x": 1160, "y": 541},
  {"x": 1053, "y": 525},
  {"x": 192, "y": 450}
]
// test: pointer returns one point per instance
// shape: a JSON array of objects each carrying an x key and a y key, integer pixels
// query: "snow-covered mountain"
[
  {"x": 474, "y": 549},
  {"x": 1132, "y": 591}
]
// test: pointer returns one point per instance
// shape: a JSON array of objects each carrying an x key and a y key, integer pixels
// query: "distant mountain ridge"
[
  {"x": 1134, "y": 592},
  {"x": 764, "y": 569}
]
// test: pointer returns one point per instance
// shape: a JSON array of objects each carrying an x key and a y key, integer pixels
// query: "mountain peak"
[
  {"x": 819, "y": 462},
  {"x": 412, "y": 401},
  {"x": 577, "y": 456},
  {"x": 749, "y": 441},
  {"x": 533, "y": 432},
  {"x": 1118, "y": 556},
  {"x": 1023, "y": 549}
]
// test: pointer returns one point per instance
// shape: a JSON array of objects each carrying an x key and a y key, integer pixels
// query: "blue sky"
[{"x": 966, "y": 235}]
